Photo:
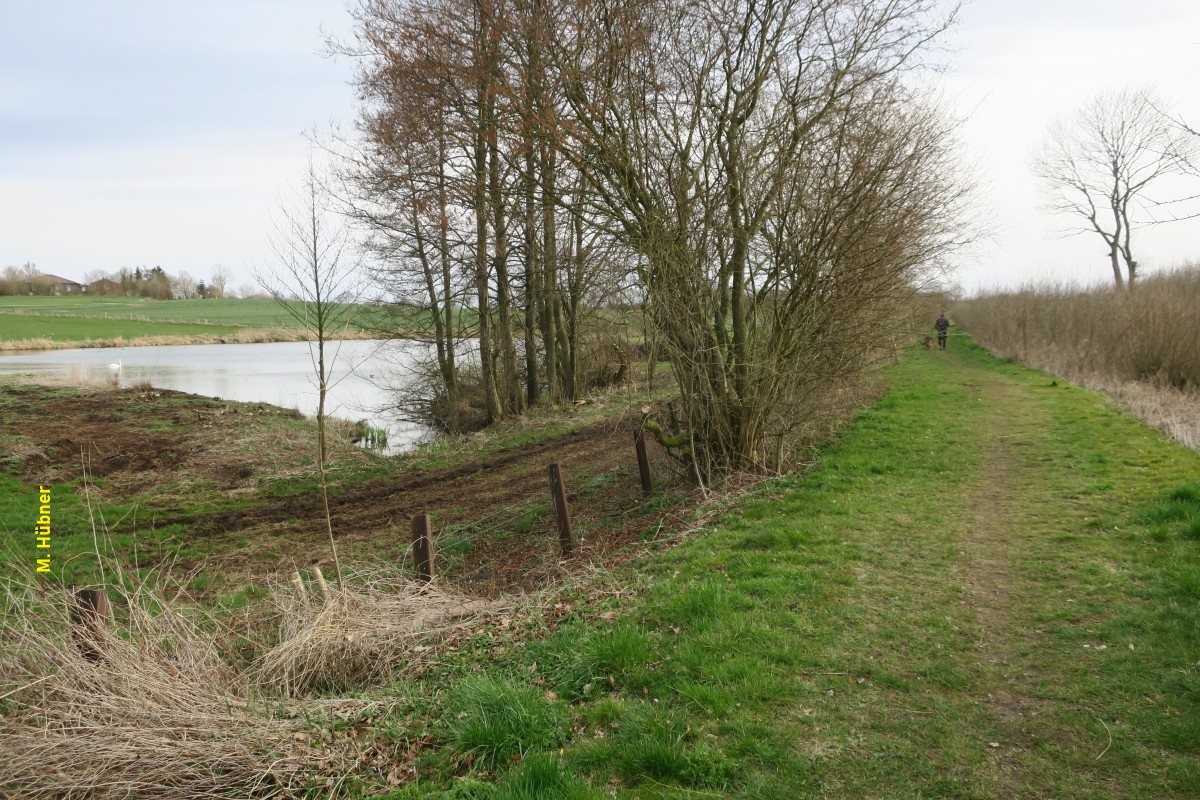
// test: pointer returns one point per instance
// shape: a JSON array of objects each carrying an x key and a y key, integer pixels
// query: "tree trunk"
[
  {"x": 533, "y": 389},
  {"x": 487, "y": 371},
  {"x": 450, "y": 374},
  {"x": 1114, "y": 256},
  {"x": 549, "y": 274},
  {"x": 509, "y": 380},
  {"x": 322, "y": 390},
  {"x": 431, "y": 292}
]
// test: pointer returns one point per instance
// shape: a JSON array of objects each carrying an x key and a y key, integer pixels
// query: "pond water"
[{"x": 280, "y": 373}]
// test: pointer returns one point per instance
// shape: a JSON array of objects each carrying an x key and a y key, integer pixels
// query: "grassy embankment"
[
  {"x": 989, "y": 588},
  {"x": 57, "y": 322}
]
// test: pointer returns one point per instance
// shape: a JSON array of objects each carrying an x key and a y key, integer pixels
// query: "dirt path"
[
  {"x": 993, "y": 585},
  {"x": 487, "y": 500}
]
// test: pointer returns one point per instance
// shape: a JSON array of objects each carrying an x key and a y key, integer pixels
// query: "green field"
[
  {"x": 19, "y": 327},
  {"x": 258, "y": 313},
  {"x": 80, "y": 319}
]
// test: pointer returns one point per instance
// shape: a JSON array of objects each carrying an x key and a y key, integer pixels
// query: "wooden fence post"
[
  {"x": 90, "y": 614},
  {"x": 422, "y": 544},
  {"x": 639, "y": 441},
  {"x": 558, "y": 494}
]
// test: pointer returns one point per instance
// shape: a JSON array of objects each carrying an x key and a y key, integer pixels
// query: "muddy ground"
[{"x": 236, "y": 485}]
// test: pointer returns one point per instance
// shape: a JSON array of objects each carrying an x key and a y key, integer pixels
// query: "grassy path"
[
  {"x": 990, "y": 589},
  {"x": 1084, "y": 607}
]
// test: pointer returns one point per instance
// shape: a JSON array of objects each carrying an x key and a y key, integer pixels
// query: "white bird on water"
[{"x": 116, "y": 366}]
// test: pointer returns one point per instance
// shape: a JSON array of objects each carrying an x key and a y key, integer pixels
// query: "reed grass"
[
  {"x": 1150, "y": 334},
  {"x": 158, "y": 714}
]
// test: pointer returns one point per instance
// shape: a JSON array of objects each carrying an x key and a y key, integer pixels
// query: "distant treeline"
[{"x": 151, "y": 282}]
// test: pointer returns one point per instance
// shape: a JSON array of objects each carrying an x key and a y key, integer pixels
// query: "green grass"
[
  {"x": 491, "y": 721},
  {"x": 15, "y": 327},
  {"x": 258, "y": 313},
  {"x": 989, "y": 588},
  {"x": 79, "y": 319},
  {"x": 48, "y": 322}
]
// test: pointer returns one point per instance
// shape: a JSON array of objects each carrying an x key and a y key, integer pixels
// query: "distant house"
[
  {"x": 104, "y": 286},
  {"x": 57, "y": 285}
]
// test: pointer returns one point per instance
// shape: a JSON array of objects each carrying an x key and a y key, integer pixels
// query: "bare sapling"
[{"x": 315, "y": 277}]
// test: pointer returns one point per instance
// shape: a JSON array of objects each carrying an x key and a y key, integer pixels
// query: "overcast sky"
[{"x": 162, "y": 132}]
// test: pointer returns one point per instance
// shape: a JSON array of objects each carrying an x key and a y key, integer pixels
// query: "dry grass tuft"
[
  {"x": 160, "y": 715},
  {"x": 374, "y": 627}
]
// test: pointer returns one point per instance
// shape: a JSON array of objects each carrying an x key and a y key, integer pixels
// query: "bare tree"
[
  {"x": 315, "y": 278},
  {"x": 1103, "y": 165},
  {"x": 218, "y": 283},
  {"x": 753, "y": 173},
  {"x": 762, "y": 158},
  {"x": 183, "y": 285},
  {"x": 474, "y": 213}
]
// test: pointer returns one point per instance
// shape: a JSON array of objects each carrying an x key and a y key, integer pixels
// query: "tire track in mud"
[
  {"x": 500, "y": 479},
  {"x": 371, "y": 521}
]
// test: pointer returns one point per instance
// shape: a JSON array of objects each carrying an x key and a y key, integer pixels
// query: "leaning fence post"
[
  {"x": 298, "y": 587},
  {"x": 319, "y": 579},
  {"x": 422, "y": 545},
  {"x": 639, "y": 441},
  {"x": 90, "y": 614},
  {"x": 558, "y": 494}
]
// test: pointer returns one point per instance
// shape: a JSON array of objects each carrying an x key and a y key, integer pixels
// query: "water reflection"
[{"x": 280, "y": 373}]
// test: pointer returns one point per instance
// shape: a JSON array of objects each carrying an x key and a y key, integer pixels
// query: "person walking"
[{"x": 943, "y": 327}]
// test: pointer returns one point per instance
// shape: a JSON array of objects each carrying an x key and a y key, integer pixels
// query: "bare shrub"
[
  {"x": 1151, "y": 334},
  {"x": 602, "y": 355},
  {"x": 420, "y": 395},
  {"x": 784, "y": 191},
  {"x": 359, "y": 635}
]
